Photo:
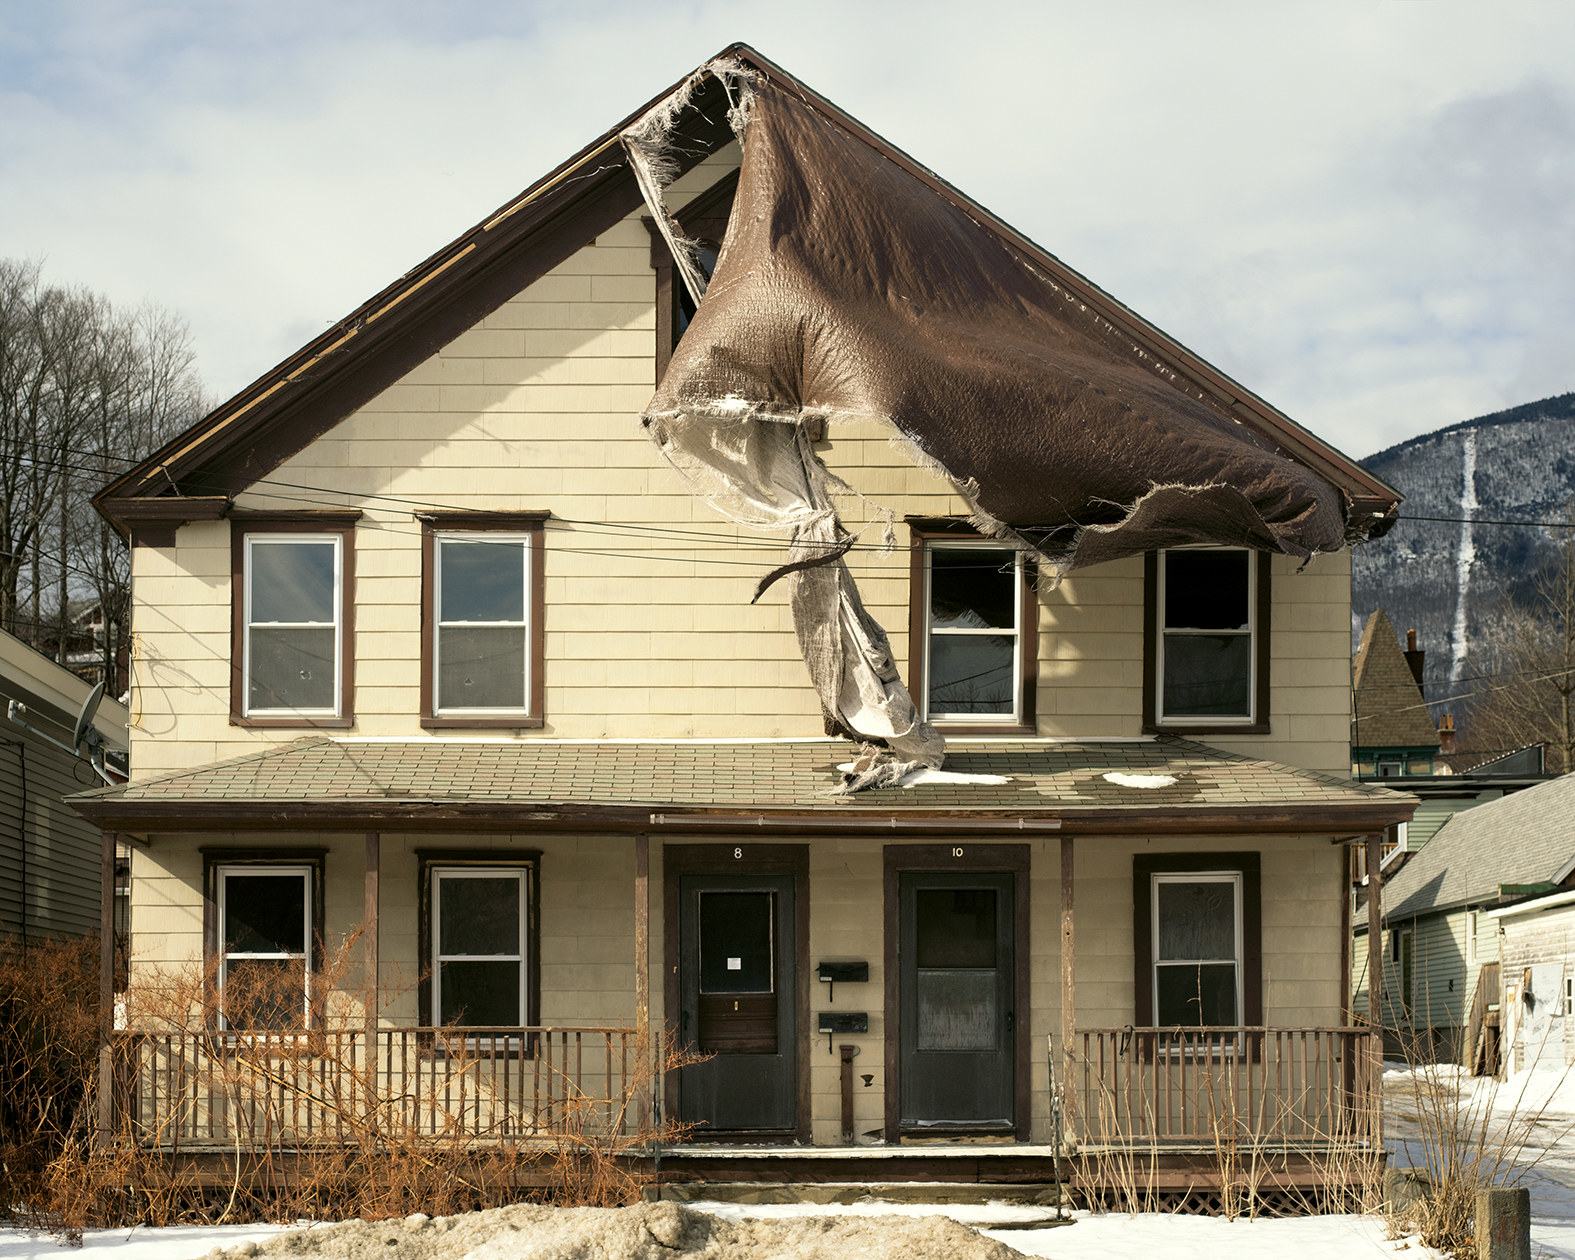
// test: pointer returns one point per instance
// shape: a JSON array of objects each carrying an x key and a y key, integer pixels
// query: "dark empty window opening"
[
  {"x": 1208, "y": 659},
  {"x": 973, "y": 623}
]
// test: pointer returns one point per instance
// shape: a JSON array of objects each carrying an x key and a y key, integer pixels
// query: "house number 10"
[{"x": 956, "y": 852}]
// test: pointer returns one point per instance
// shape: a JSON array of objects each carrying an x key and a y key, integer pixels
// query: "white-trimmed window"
[
  {"x": 264, "y": 935},
  {"x": 481, "y": 659},
  {"x": 294, "y": 625},
  {"x": 479, "y": 949},
  {"x": 973, "y": 633},
  {"x": 1207, "y": 659},
  {"x": 1198, "y": 957}
]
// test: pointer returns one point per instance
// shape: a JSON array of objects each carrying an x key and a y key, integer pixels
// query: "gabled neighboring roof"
[
  {"x": 1387, "y": 705},
  {"x": 283, "y": 411},
  {"x": 1527, "y": 838},
  {"x": 623, "y": 784}
]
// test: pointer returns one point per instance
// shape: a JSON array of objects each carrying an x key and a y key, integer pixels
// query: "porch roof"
[{"x": 1173, "y": 784}]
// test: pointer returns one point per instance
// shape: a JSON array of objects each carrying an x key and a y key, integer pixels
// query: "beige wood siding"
[{"x": 587, "y": 935}]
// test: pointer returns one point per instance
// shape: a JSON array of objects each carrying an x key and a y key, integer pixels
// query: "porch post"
[
  {"x": 1068, "y": 989},
  {"x": 373, "y": 952},
  {"x": 1375, "y": 977},
  {"x": 106, "y": 986},
  {"x": 642, "y": 938}
]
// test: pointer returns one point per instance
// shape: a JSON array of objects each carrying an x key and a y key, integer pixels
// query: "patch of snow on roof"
[{"x": 1140, "y": 780}]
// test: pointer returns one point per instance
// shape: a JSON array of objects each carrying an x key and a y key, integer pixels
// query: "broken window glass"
[
  {"x": 972, "y": 650},
  {"x": 1208, "y": 629}
]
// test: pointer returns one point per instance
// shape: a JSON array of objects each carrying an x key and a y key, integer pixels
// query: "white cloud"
[{"x": 1360, "y": 210}]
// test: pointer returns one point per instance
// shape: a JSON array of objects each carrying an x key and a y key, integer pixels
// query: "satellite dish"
[{"x": 85, "y": 718}]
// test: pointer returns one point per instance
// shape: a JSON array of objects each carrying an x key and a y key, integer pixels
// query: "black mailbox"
[{"x": 845, "y": 972}]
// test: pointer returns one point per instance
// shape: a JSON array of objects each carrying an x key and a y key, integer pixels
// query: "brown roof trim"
[
  {"x": 301, "y": 398},
  {"x": 284, "y": 410},
  {"x": 417, "y": 815}
]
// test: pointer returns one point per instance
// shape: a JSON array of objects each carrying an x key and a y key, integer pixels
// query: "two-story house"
[{"x": 447, "y": 631}]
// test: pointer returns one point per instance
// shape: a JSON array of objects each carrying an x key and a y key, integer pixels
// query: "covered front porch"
[{"x": 1054, "y": 866}]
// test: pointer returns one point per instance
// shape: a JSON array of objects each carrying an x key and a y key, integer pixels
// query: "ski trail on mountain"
[{"x": 1468, "y": 551}]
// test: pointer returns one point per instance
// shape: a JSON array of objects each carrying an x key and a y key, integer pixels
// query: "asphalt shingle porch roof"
[{"x": 403, "y": 781}]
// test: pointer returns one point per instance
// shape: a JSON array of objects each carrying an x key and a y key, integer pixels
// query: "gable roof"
[
  {"x": 1387, "y": 705},
  {"x": 240, "y": 442},
  {"x": 1526, "y": 838}
]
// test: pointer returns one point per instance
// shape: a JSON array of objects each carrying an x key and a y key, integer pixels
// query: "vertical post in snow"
[
  {"x": 1068, "y": 989},
  {"x": 1375, "y": 981}
]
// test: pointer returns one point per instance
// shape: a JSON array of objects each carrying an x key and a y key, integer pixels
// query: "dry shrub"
[
  {"x": 1465, "y": 1148},
  {"x": 301, "y": 1120},
  {"x": 48, "y": 1051}
]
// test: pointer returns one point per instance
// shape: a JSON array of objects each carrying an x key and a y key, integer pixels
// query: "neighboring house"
[
  {"x": 1392, "y": 733},
  {"x": 1440, "y": 947},
  {"x": 434, "y": 643},
  {"x": 49, "y": 855},
  {"x": 1537, "y": 962}
]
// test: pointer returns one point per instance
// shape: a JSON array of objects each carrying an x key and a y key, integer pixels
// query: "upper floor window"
[
  {"x": 292, "y": 657},
  {"x": 973, "y": 628},
  {"x": 1207, "y": 639},
  {"x": 482, "y": 624}
]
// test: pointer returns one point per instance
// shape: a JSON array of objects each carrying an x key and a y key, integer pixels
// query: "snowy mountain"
[{"x": 1441, "y": 576}]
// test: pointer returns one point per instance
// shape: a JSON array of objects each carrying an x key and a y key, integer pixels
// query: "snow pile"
[{"x": 648, "y": 1231}]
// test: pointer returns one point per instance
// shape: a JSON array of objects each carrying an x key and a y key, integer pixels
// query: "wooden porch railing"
[
  {"x": 1207, "y": 1085},
  {"x": 341, "y": 1086}
]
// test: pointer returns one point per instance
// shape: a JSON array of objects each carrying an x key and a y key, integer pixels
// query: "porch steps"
[{"x": 846, "y": 1193}]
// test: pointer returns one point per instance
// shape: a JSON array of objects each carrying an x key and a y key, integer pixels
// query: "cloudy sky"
[{"x": 1363, "y": 211}]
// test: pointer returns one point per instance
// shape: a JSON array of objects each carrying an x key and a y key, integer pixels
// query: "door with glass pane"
[
  {"x": 736, "y": 1002},
  {"x": 956, "y": 1046}
]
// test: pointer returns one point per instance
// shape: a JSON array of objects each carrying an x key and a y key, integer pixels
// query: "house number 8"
[
  {"x": 956, "y": 852},
  {"x": 738, "y": 853}
]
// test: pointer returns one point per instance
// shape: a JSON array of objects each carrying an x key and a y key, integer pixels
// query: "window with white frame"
[
  {"x": 1197, "y": 948},
  {"x": 481, "y": 658},
  {"x": 294, "y": 624},
  {"x": 973, "y": 630},
  {"x": 479, "y": 947},
  {"x": 264, "y": 933},
  {"x": 1207, "y": 659}
]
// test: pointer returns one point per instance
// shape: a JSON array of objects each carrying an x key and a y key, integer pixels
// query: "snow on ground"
[
  {"x": 1089, "y": 1237},
  {"x": 1532, "y": 1114},
  {"x": 1530, "y": 1118}
]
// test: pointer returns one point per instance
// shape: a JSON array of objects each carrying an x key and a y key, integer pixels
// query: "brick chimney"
[
  {"x": 1414, "y": 656},
  {"x": 1446, "y": 734}
]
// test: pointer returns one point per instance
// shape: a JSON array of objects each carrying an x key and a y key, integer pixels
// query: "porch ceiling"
[{"x": 1173, "y": 785}]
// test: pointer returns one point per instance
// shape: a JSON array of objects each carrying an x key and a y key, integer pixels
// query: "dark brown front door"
[
  {"x": 956, "y": 1001},
  {"x": 736, "y": 1003}
]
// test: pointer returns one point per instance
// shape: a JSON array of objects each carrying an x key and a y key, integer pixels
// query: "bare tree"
[
  {"x": 85, "y": 389},
  {"x": 1527, "y": 666}
]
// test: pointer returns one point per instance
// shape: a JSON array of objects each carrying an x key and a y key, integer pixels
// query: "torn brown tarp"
[{"x": 847, "y": 288}]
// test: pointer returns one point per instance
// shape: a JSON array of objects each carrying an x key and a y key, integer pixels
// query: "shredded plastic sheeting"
[
  {"x": 847, "y": 288},
  {"x": 651, "y": 1231}
]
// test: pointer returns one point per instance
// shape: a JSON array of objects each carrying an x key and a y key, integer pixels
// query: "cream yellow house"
[{"x": 439, "y": 653}]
